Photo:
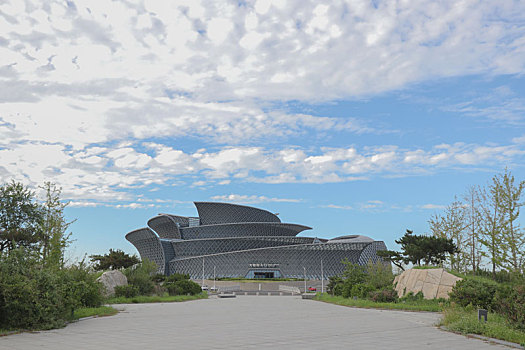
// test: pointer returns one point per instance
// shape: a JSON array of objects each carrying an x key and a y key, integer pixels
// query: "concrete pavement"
[{"x": 249, "y": 322}]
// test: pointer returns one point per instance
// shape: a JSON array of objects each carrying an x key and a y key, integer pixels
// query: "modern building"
[{"x": 230, "y": 240}]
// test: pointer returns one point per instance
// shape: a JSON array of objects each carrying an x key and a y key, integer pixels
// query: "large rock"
[
  {"x": 111, "y": 279},
  {"x": 434, "y": 283}
]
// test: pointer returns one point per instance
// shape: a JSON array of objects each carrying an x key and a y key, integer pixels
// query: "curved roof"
[
  {"x": 350, "y": 239},
  {"x": 242, "y": 229},
  {"x": 222, "y": 213},
  {"x": 165, "y": 226},
  {"x": 149, "y": 246}
]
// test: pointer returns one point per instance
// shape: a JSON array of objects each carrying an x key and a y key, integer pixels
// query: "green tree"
[
  {"x": 54, "y": 239},
  {"x": 428, "y": 249},
  {"x": 20, "y": 217},
  {"x": 452, "y": 225},
  {"x": 114, "y": 260},
  {"x": 492, "y": 223},
  {"x": 511, "y": 203}
]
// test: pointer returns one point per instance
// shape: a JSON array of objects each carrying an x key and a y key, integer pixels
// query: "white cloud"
[
  {"x": 433, "y": 206},
  {"x": 246, "y": 199}
]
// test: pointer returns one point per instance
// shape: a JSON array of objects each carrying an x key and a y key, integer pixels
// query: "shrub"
[
  {"x": 379, "y": 275},
  {"x": 140, "y": 276},
  {"x": 177, "y": 277},
  {"x": 158, "y": 278},
  {"x": 410, "y": 296},
  {"x": 474, "y": 291},
  {"x": 183, "y": 287},
  {"x": 383, "y": 296},
  {"x": 510, "y": 302},
  {"x": 127, "y": 291}
]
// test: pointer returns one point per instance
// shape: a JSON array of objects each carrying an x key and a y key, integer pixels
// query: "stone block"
[
  {"x": 430, "y": 290},
  {"x": 111, "y": 279},
  {"x": 433, "y": 276},
  {"x": 449, "y": 279},
  {"x": 443, "y": 291}
]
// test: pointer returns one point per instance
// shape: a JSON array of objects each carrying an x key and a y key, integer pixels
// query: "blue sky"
[{"x": 349, "y": 117}]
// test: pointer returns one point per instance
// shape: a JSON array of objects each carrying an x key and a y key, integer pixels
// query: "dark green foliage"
[
  {"x": 127, "y": 291},
  {"x": 32, "y": 297},
  {"x": 510, "y": 302},
  {"x": 20, "y": 217},
  {"x": 383, "y": 296},
  {"x": 158, "y": 278},
  {"x": 474, "y": 291},
  {"x": 392, "y": 256},
  {"x": 183, "y": 287},
  {"x": 177, "y": 277},
  {"x": 140, "y": 276},
  {"x": 411, "y": 297},
  {"x": 114, "y": 260},
  {"x": 429, "y": 249},
  {"x": 333, "y": 282}
]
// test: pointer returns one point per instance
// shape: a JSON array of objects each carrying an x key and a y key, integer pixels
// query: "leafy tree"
[
  {"x": 392, "y": 256},
  {"x": 20, "y": 217},
  {"x": 114, "y": 260},
  {"x": 419, "y": 248},
  {"x": 510, "y": 206},
  {"x": 473, "y": 204},
  {"x": 452, "y": 225},
  {"x": 492, "y": 223},
  {"x": 54, "y": 239}
]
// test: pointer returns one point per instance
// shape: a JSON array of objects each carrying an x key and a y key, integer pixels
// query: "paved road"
[{"x": 249, "y": 322}]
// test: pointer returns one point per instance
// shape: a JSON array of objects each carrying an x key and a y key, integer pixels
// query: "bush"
[
  {"x": 410, "y": 296},
  {"x": 33, "y": 297},
  {"x": 379, "y": 275},
  {"x": 140, "y": 276},
  {"x": 127, "y": 291},
  {"x": 384, "y": 296},
  {"x": 183, "y": 287},
  {"x": 158, "y": 278},
  {"x": 510, "y": 302},
  {"x": 474, "y": 291},
  {"x": 177, "y": 277}
]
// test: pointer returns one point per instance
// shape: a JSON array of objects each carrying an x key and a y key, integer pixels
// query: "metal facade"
[{"x": 244, "y": 247}]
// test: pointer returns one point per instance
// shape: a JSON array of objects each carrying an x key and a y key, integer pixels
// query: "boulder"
[
  {"x": 111, "y": 279},
  {"x": 434, "y": 283}
]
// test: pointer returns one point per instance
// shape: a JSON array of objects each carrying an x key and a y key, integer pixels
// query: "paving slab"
[{"x": 249, "y": 322}]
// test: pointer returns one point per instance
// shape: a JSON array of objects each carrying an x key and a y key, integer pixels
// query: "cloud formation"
[{"x": 96, "y": 96}]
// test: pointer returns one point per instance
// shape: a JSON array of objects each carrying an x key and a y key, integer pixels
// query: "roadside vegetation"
[
  {"x": 482, "y": 227},
  {"x": 40, "y": 290}
]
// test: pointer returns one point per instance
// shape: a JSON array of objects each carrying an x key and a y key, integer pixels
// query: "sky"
[{"x": 351, "y": 117}]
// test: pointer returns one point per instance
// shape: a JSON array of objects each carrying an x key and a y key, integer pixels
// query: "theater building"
[{"x": 230, "y": 240}]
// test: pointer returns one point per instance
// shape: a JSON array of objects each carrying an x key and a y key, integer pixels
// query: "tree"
[
  {"x": 392, "y": 256},
  {"x": 419, "y": 248},
  {"x": 510, "y": 205},
  {"x": 54, "y": 239},
  {"x": 20, "y": 217},
  {"x": 472, "y": 199},
  {"x": 452, "y": 226},
  {"x": 492, "y": 223},
  {"x": 115, "y": 259}
]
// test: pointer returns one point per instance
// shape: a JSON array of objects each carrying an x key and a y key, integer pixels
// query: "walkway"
[{"x": 249, "y": 322}]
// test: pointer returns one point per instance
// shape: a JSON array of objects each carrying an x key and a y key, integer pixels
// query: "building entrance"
[{"x": 263, "y": 274}]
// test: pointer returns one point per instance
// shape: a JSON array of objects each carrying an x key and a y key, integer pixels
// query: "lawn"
[
  {"x": 465, "y": 321},
  {"x": 156, "y": 299},
  {"x": 94, "y": 311},
  {"x": 416, "y": 305}
]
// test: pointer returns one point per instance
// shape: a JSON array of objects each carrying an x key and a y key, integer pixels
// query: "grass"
[
  {"x": 416, "y": 305},
  {"x": 465, "y": 321},
  {"x": 156, "y": 299},
  {"x": 94, "y": 311}
]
